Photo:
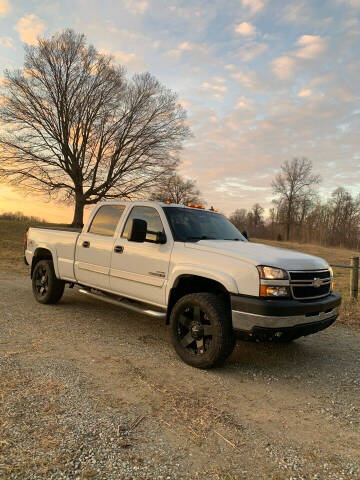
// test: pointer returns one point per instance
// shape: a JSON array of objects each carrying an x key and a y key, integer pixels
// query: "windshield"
[{"x": 190, "y": 225}]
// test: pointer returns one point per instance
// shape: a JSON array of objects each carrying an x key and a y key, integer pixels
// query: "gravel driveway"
[{"x": 89, "y": 391}]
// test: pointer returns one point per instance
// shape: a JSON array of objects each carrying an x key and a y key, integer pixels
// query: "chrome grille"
[{"x": 307, "y": 284}]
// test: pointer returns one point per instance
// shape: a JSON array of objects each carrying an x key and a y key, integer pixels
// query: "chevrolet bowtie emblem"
[{"x": 317, "y": 282}]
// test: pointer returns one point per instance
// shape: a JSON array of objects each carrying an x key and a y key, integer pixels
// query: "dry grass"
[
  {"x": 350, "y": 313},
  {"x": 12, "y": 235}
]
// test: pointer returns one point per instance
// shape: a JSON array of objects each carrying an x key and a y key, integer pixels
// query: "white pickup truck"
[{"x": 191, "y": 267}]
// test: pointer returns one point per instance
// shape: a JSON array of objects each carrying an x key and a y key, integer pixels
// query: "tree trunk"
[
  {"x": 288, "y": 231},
  {"x": 289, "y": 218},
  {"x": 78, "y": 220}
]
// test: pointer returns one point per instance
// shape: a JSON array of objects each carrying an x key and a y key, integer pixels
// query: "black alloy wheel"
[
  {"x": 47, "y": 288},
  {"x": 41, "y": 281},
  {"x": 194, "y": 330},
  {"x": 201, "y": 330}
]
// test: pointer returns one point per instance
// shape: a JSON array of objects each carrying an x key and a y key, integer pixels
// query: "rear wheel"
[
  {"x": 46, "y": 287},
  {"x": 201, "y": 330}
]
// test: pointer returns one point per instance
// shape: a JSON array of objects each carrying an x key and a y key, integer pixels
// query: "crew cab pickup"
[{"x": 190, "y": 267}]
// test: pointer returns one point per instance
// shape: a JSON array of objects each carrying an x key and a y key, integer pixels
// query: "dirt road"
[{"x": 91, "y": 391}]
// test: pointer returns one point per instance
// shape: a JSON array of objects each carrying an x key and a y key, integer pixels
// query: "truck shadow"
[{"x": 313, "y": 355}]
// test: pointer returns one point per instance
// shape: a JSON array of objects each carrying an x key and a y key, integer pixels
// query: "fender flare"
[
  {"x": 52, "y": 251},
  {"x": 223, "y": 278}
]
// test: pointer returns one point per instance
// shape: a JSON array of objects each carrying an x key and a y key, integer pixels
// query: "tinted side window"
[
  {"x": 106, "y": 220},
  {"x": 151, "y": 216}
]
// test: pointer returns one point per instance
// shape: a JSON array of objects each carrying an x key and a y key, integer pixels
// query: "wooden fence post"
[{"x": 354, "y": 278}]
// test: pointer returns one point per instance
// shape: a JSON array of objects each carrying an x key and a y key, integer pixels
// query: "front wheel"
[
  {"x": 47, "y": 288},
  {"x": 201, "y": 330}
]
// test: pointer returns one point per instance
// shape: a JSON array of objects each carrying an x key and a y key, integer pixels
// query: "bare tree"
[
  {"x": 176, "y": 189},
  {"x": 239, "y": 218},
  {"x": 257, "y": 213},
  {"x": 294, "y": 182},
  {"x": 77, "y": 128}
]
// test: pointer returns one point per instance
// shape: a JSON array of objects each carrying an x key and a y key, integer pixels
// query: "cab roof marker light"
[{"x": 195, "y": 205}]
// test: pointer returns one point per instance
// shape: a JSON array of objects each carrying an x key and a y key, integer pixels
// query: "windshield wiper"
[
  {"x": 203, "y": 237},
  {"x": 233, "y": 239}
]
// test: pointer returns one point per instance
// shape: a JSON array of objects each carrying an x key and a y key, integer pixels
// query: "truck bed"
[{"x": 62, "y": 243}]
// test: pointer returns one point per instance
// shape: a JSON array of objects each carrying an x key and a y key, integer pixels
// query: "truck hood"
[{"x": 259, "y": 254}]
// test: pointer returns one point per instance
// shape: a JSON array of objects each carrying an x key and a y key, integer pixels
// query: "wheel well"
[
  {"x": 186, "y": 284},
  {"x": 40, "y": 254}
]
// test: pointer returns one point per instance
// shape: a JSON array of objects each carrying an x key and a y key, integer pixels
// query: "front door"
[
  {"x": 94, "y": 247},
  {"x": 140, "y": 270}
]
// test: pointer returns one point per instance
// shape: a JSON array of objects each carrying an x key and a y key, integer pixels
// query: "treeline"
[
  {"x": 20, "y": 217},
  {"x": 299, "y": 214}
]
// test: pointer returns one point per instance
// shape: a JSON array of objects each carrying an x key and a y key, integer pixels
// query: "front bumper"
[{"x": 275, "y": 318}]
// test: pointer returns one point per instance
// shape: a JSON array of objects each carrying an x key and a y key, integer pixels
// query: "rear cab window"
[
  {"x": 106, "y": 220},
  {"x": 151, "y": 217}
]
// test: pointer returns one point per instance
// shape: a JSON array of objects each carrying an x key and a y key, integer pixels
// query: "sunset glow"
[{"x": 262, "y": 82}]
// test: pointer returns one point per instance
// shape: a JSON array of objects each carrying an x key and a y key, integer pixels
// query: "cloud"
[
  {"x": 5, "y": 8},
  {"x": 352, "y": 3},
  {"x": 129, "y": 59},
  {"x": 246, "y": 29},
  {"x": 298, "y": 12},
  {"x": 249, "y": 52},
  {"x": 187, "y": 47},
  {"x": 29, "y": 28},
  {"x": 248, "y": 79},
  {"x": 305, "y": 93},
  {"x": 244, "y": 103},
  {"x": 137, "y": 7},
  {"x": 310, "y": 46},
  {"x": 254, "y": 6},
  {"x": 216, "y": 88},
  {"x": 283, "y": 67},
  {"x": 6, "y": 42},
  {"x": 253, "y": 142},
  {"x": 219, "y": 79}
]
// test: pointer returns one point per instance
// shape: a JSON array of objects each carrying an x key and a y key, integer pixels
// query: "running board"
[{"x": 125, "y": 304}]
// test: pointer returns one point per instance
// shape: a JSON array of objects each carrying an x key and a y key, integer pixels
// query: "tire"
[
  {"x": 201, "y": 330},
  {"x": 47, "y": 288}
]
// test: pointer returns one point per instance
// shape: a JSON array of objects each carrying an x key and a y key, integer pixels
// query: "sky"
[{"x": 262, "y": 81}]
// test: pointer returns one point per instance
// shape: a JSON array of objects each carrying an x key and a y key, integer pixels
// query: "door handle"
[
  {"x": 86, "y": 244},
  {"x": 118, "y": 249}
]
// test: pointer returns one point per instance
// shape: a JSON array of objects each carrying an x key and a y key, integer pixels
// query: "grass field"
[{"x": 12, "y": 235}]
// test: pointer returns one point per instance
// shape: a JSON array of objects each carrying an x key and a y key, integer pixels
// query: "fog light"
[{"x": 270, "y": 291}]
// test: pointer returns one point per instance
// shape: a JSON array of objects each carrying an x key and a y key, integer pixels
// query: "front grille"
[
  {"x": 310, "y": 284},
  {"x": 309, "y": 275},
  {"x": 306, "y": 292}
]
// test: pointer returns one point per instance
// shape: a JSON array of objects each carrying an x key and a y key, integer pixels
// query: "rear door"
[
  {"x": 94, "y": 247},
  {"x": 140, "y": 270}
]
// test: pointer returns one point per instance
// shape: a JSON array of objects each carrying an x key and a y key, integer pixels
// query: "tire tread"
[
  {"x": 220, "y": 310},
  {"x": 56, "y": 286}
]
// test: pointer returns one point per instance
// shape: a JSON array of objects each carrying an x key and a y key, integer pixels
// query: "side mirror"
[
  {"x": 160, "y": 237},
  {"x": 245, "y": 234},
  {"x": 138, "y": 230}
]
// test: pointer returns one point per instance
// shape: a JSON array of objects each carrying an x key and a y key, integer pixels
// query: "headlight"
[
  {"x": 272, "y": 273},
  {"x": 270, "y": 291}
]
